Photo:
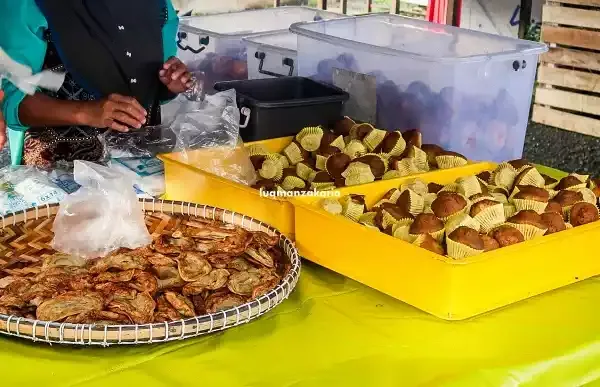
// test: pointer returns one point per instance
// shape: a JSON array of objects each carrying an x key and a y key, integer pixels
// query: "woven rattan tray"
[{"x": 25, "y": 234}]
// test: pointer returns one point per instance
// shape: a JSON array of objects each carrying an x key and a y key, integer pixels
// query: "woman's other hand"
[
  {"x": 115, "y": 112},
  {"x": 175, "y": 75},
  {"x": 2, "y": 125}
]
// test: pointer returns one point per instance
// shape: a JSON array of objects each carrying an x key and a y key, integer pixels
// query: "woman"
[{"x": 118, "y": 56}]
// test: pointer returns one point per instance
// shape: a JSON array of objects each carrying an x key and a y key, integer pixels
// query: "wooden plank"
[
  {"x": 574, "y": 58},
  {"x": 570, "y": 79},
  {"x": 568, "y": 100},
  {"x": 571, "y": 16},
  {"x": 590, "y": 3},
  {"x": 571, "y": 37},
  {"x": 395, "y": 8},
  {"x": 567, "y": 121}
]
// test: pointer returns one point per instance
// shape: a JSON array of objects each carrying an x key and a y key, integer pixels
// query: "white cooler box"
[
  {"x": 467, "y": 91},
  {"x": 273, "y": 54},
  {"x": 213, "y": 44}
]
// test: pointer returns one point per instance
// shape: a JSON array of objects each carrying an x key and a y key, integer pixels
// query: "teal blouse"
[{"x": 22, "y": 38}]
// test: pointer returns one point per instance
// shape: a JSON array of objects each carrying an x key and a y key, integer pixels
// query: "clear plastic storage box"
[
  {"x": 272, "y": 54},
  {"x": 467, "y": 91},
  {"x": 214, "y": 44}
]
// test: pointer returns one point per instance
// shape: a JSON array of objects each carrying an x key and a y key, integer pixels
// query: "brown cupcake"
[
  {"x": 265, "y": 185},
  {"x": 426, "y": 224},
  {"x": 567, "y": 198},
  {"x": 343, "y": 126},
  {"x": 362, "y": 130},
  {"x": 468, "y": 237},
  {"x": 482, "y": 205},
  {"x": 507, "y": 235},
  {"x": 489, "y": 243},
  {"x": 427, "y": 242},
  {"x": 337, "y": 164},
  {"x": 448, "y": 204},
  {"x": 389, "y": 142},
  {"x": 554, "y": 221},
  {"x": 595, "y": 187},
  {"x": 432, "y": 151},
  {"x": 434, "y": 187},
  {"x": 291, "y": 171},
  {"x": 389, "y": 230},
  {"x": 376, "y": 163},
  {"x": 484, "y": 176},
  {"x": 583, "y": 213},
  {"x": 528, "y": 217},
  {"x": 339, "y": 182},
  {"x": 394, "y": 210},
  {"x": 553, "y": 206},
  {"x": 568, "y": 182},
  {"x": 322, "y": 177},
  {"x": 413, "y": 138},
  {"x": 529, "y": 192}
]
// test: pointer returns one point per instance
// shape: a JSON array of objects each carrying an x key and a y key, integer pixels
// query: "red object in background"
[{"x": 437, "y": 11}]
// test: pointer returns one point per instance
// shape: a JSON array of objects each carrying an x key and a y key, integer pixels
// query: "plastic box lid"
[
  {"x": 243, "y": 23},
  {"x": 283, "y": 42},
  {"x": 400, "y": 36}
]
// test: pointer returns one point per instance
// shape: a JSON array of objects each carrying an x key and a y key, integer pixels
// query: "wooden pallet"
[{"x": 568, "y": 92}]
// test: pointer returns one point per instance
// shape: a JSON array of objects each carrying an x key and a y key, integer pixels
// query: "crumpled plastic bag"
[
  {"x": 26, "y": 187},
  {"x": 101, "y": 217}
]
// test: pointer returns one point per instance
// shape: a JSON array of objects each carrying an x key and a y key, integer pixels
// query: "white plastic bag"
[{"x": 102, "y": 216}]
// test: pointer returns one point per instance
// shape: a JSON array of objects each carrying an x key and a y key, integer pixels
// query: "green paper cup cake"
[{"x": 464, "y": 242}]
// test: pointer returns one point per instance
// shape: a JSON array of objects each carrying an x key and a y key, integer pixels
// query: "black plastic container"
[{"x": 280, "y": 107}]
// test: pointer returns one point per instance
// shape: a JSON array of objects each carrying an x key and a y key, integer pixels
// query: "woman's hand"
[
  {"x": 2, "y": 125},
  {"x": 175, "y": 75},
  {"x": 115, "y": 112}
]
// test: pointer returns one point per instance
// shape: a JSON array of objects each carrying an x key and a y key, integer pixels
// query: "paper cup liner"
[
  {"x": 308, "y": 131},
  {"x": 460, "y": 221},
  {"x": 291, "y": 182},
  {"x": 352, "y": 210},
  {"x": 459, "y": 251},
  {"x": 582, "y": 178},
  {"x": 388, "y": 219},
  {"x": 459, "y": 213},
  {"x": 321, "y": 163},
  {"x": 311, "y": 142},
  {"x": 438, "y": 235},
  {"x": 532, "y": 177},
  {"x": 504, "y": 176},
  {"x": 453, "y": 187},
  {"x": 281, "y": 159},
  {"x": 420, "y": 158},
  {"x": 374, "y": 138},
  {"x": 394, "y": 196},
  {"x": 491, "y": 217},
  {"x": 569, "y": 226},
  {"x": 417, "y": 185},
  {"x": 392, "y": 174},
  {"x": 304, "y": 171},
  {"x": 447, "y": 162},
  {"x": 271, "y": 169},
  {"x": 293, "y": 153},
  {"x": 428, "y": 199},
  {"x": 523, "y": 204},
  {"x": 483, "y": 182},
  {"x": 312, "y": 176},
  {"x": 551, "y": 186},
  {"x": 279, "y": 188},
  {"x": 506, "y": 164},
  {"x": 529, "y": 231},
  {"x": 480, "y": 198},
  {"x": 416, "y": 203},
  {"x": 354, "y": 129},
  {"x": 469, "y": 186},
  {"x": 407, "y": 167},
  {"x": 323, "y": 186},
  {"x": 257, "y": 150},
  {"x": 355, "y": 149},
  {"x": 381, "y": 157},
  {"x": 401, "y": 232},
  {"x": 339, "y": 143},
  {"x": 567, "y": 212},
  {"x": 356, "y": 168},
  {"x": 333, "y": 206},
  {"x": 381, "y": 202},
  {"x": 504, "y": 190},
  {"x": 499, "y": 197},
  {"x": 358, "y": 179},
  {"x": 368, "y": 219},
  {"x": 588, "y": 195},
  {"x": 509, "y": 210}
]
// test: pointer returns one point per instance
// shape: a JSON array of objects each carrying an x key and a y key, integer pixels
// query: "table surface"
[{"x": 334, "y": 331}]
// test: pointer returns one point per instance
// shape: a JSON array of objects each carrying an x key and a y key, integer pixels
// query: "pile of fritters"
[{"x": 201, "y": 267}]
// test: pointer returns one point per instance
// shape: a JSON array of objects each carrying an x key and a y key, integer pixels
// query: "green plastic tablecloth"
[{"x": 333, "y": 331}]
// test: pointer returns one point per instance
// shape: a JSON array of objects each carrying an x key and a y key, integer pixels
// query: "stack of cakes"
[
  {"x": 475, "y": 214},
  {"x": 349, "y": 154}
]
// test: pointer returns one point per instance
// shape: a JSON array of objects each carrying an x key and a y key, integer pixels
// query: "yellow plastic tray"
[
  {"x": 186, "y": 183},
  {"x": 449, "y": 289}
]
